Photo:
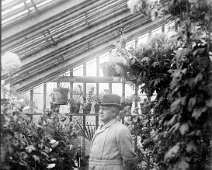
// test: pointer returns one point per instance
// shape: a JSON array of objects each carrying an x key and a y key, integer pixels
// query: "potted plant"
[
  {"x": 88, "y": 100},
  {"x": 74, "y": 106},
  {"x": 97, "y": 100},
  {"x": 49, "y": 143},
  {"x": 76, "y": 100},
  {"x": 108, "y": 69},
  {"x": 60, "y": 94}
]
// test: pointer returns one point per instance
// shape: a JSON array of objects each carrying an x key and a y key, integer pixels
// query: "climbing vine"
[{"x": 178, "y": 69}]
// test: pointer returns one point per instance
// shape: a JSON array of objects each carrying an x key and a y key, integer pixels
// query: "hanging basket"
[
  {"x": 60, "y": 96},
  {"x": 107, "y": 69}
]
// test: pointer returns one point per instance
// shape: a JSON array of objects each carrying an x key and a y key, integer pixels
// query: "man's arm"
[{"x": 125, "y": 146}]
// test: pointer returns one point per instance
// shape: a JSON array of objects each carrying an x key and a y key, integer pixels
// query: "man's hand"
[{"x": 130, "y": 164}]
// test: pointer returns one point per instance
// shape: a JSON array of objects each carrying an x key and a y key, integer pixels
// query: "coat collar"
[
  {"x": 102, "y": 128},
  {"x": 108, "y": 124}
]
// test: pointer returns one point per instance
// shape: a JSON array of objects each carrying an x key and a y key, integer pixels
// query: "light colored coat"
[{"x": 111, "y": 146}]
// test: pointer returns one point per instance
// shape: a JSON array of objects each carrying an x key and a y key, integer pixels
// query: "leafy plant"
[
  {"x": 25, "y": 144},
  {"x": 180, "y": 73},
  {"x": 148, "y": 7},
  {"x": 148, "y": 65},
  {"x": 108, "y": 69}
]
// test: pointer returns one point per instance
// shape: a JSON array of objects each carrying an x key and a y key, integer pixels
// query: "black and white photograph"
[{"x": 106, "y": 85}]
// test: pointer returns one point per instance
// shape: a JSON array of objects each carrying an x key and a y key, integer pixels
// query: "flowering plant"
[
  {"x": 153, "y": 8},
  {"x": 35, "y": 145},
  {"x": 10, "y": 62},
  {"x": 181, "y": 76}
]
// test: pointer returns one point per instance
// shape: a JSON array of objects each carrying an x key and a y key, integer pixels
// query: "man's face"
[{"x": 107, "y": 113}]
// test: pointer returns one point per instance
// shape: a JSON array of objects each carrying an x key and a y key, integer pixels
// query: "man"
[{"x": 111, "y": 146}]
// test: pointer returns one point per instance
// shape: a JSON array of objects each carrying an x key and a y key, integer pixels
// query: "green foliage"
[
  {"x": 30, "y": 145},
  {"x": 189, "y": 113},
  {"x": 148, "y": 65},
  {"x": 180, "y": 73},
  {"x": 148, "y": 7},
  {"x": 144, "y": 128}
]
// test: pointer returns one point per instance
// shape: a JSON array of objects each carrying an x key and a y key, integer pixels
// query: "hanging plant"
[
  {"x": 108, "y": 69},
  {"x": 60, "y": 96},
  {"x": 153, "y": 8},
  {"x": 148, "y": 64}
]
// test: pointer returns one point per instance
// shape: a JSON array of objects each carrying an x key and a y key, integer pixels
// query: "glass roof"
[{"x": 15, "y": 10}]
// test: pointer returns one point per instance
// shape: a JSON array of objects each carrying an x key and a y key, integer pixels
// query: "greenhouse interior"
[{"x": 106, "y": 85}]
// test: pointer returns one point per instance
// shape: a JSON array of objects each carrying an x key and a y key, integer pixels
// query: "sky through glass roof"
[{"x": 13, "y": 11}]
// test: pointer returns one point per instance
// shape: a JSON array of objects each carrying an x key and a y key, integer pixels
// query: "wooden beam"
[
  {"x": 84, "y": 118},
  {"x": 163, "y": 28},
  {"x": 84, "y": 83},
  {"x": 89, "y": 79},
  {"x": 44, "y": 97},
  {"x": 31, "y": 102},
  {"x": 110, "y": 83},
  {"x": 28, "y": 25},
  {"x": 110, "y": 88},
  {"x": 97, "y": 89},
  {"x": 71, "y": 83},
  {"x": 71, "y": 36},
  {"x": 70, "y": 51},
  {"x": 97, "y": 66},
  {"x": 50, "y": 74}
]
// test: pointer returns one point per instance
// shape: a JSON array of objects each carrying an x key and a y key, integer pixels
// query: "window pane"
[
  {"x": 66, "y": 73},
  {"x": 91, "y": 68},
  {"x": 65, "y": 85},
  {"x": 38, "y": 98},
  {"x": 89, "y": 86},
  {"x": 78, "y": 71},
  {"x": 77, "y": 88},
  {"x": 117, "y": 89},
  {"x": 143, "y": 39},
  {"x": 170, "y": 27},
  {"x": 128, "y": 90},
  {"x": 103, "y": 58},
  {"x": 103, "y": 88},
  {"x": 130, "y": 45},
  {"x": 156, "y": 31},
  {"x": 49, "y": 89}
]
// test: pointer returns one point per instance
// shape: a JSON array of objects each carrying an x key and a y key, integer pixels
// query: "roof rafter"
[
  {"x": 70, "y": 34},
  {"x": 49, "y": 74},
  {"x": 20, "y": 29}
]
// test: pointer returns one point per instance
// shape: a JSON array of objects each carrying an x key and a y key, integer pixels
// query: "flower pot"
[
  {"x": 96, "y": 108},
  {"x": 74, "y": 108},
  {"x": 107, "y": 71},
  {"x": 87, "y": 108},
  {"x": 60, "y": 96}
]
